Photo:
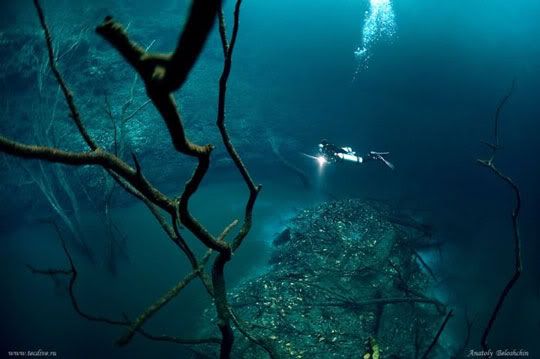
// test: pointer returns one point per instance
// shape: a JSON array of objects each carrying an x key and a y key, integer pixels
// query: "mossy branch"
[
  {"x": 228, "y": 48},
  {"x": 187, "y": 219},
  {"x": 220, "y": 122},
  {"x": 95, "y": 157},
  {"x": 222, "y": 305},
  {"x": 156, "y": 71},
  {"x": 152, "y": 66}
]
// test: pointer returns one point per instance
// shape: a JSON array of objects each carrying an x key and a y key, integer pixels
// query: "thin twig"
[
  {"x": 502, "y": 103},
  {"x": 134, "y": 113},
  {"x": 439, "y": 332},
  {"x": 264, "y": 344},
  {"x": 385, "y": 301},
  {"x": 161, "y": 302}
]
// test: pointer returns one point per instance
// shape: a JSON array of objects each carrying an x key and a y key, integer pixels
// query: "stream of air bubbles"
[{"x": 379, "y": 24}]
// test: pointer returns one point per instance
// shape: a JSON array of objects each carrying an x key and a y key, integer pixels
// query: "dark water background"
[{"x": 429, "y": 97}]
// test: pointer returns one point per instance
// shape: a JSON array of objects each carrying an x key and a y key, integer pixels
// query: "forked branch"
[
  {"x": 518, "y": 265},
  {"x": 73, "y": 275}
]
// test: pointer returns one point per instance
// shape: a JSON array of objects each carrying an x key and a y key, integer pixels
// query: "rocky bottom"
[{"x": 344, "y": 281}]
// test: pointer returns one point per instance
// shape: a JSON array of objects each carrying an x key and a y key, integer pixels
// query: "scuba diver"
[{"x": 330, "y": 153}]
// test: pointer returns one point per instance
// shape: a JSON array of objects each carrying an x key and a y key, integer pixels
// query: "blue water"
[{"x": 420, "y": 79}]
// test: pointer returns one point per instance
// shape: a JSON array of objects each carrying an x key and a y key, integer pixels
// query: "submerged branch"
[
  {"x": 75, "y": 116},
  {"x": 518, "y": 265},
  {"x": 361, "y": 304},
  {"x": 497, "y": 143},
  {"x": 437, "y": 336},
  {"x": 161, "y": 302},
  {"x": 95, "y": 157},
  {"x": 264, "y": 344},
  {"x": 73, "y": 274}
]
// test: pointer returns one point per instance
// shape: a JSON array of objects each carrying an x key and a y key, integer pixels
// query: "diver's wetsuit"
[
  {"x": 333, "y": 153},
  {"x": 329, "y": 149}
]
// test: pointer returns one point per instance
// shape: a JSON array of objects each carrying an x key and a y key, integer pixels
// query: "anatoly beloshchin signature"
[{"x": 509, "y": 353}]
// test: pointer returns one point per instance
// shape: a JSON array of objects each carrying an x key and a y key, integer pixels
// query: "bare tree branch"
[
  {"x": 222, "y": 306},
  {"x": 437, "y": 336},
  {"x": 263, "y": 343},
  {"x": 75, "y": 116},
  {"x": 171, "y": 231},
  {"x": 161, "y": 302},
  {"x": 359, "y": 304},
  {"x": 518, "y": 265},
  {"x": 496, "y": 144},
  {"x": 73, "y": 274}
]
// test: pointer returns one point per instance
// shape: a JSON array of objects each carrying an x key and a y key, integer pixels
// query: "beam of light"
[
  {"x": 379, "y": 24},
  {"x": 320, "y": 159}
]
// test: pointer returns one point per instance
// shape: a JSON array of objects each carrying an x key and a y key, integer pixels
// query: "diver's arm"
[{"x": 379, "y": 156}]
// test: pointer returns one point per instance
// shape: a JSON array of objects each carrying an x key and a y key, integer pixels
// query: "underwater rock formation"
[{"x": 342, "y": 282}]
